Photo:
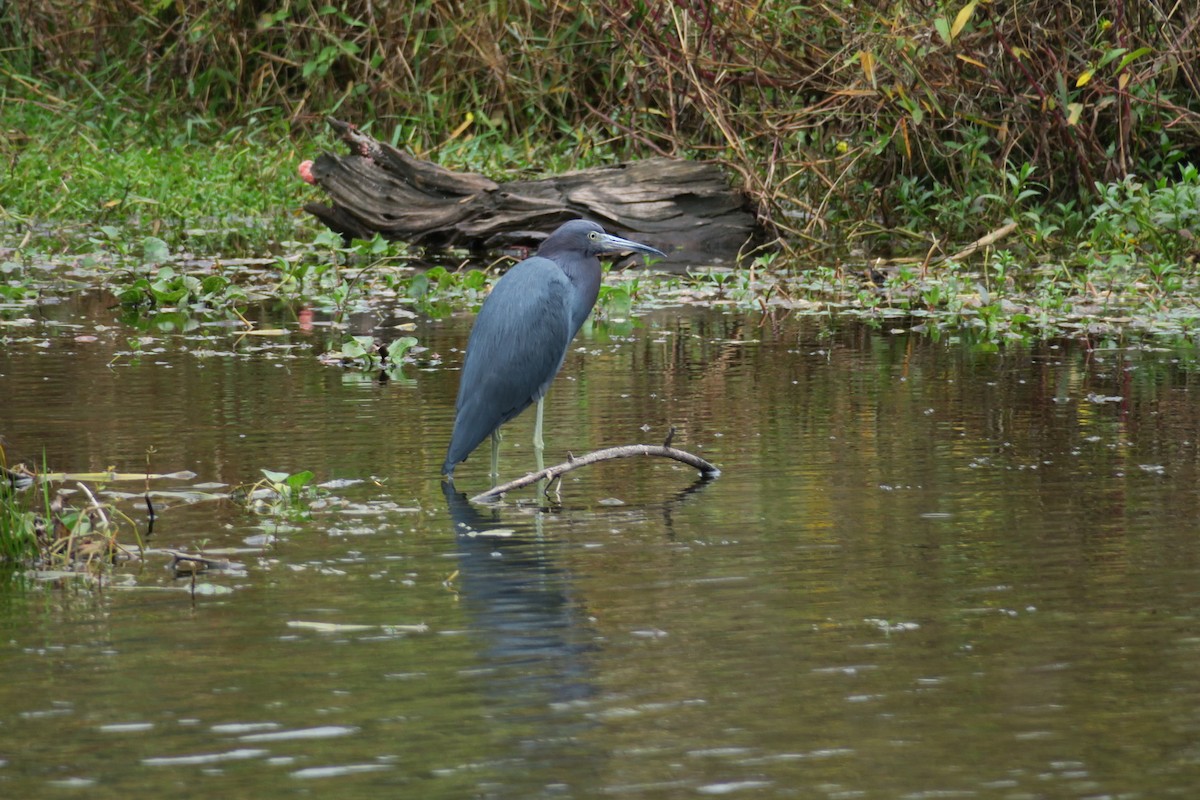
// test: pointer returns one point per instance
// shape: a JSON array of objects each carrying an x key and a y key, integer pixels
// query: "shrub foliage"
[{"x": 828, "y": 111}]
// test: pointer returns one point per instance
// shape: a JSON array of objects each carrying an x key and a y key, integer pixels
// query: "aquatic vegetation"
[
  {"x": 201, "y": 241},
  {"x": 365, "y": 354},
  {"x": 55, "y": 525},
  {"x": 437, "y": 291},
  {"x": 1155, "y": 227},
  {"x": 49, "y": 530},
  {"x": 19, "y": 524},
  {"x": 181, "y": 199},
  {"x": 167, "y": 288},
  {"x": 1118, "y": 280},
  {"x": 287, "y": 495}
]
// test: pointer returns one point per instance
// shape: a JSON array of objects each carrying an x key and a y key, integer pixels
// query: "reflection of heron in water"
[
  {"x": 534, "y": 639},
  {"x": 535, "y": 643}
]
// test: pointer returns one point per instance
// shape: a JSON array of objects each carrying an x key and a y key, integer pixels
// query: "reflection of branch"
[{"x": 707, "y": 470}]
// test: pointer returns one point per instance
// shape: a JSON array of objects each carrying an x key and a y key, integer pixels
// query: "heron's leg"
[
  {"x": 538, "y": 444},
  {"x": 495, "y": 473}
]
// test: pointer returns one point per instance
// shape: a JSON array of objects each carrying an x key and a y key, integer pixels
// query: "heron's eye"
[{"x": 592, "y": 236}]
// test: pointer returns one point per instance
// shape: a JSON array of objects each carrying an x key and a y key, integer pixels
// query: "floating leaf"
[
  {"x": 154, "y": 250},
  {"x": 400, "y": 346},
  {"x": 358, "y": 347},
  {"x": 211, "y": 589},
  {"x": 329, "y": 627},
  {"x": 109, "y": 477},
  {"x": 214, "y": 283}
]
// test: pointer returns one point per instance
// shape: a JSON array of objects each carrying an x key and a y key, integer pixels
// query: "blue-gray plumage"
[{"x": 521, "y": 335}]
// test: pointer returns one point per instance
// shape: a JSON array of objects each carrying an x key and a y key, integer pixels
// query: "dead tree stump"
[{"x": 685, "y": 208}]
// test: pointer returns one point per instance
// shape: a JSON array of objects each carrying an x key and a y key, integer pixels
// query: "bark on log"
[{"x": 685, "y": 208}]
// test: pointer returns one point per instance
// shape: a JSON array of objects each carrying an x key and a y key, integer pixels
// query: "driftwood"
[
  {"x": 685, "y": 208},
  {"x": 983, "y": 241},
  {"x": 707, "y": 470}
]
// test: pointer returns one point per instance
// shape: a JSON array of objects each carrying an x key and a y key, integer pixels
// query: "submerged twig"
[{"x": 707, "y": 470}]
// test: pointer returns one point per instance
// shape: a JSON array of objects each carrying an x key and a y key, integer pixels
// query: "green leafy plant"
[
  {"x": 43, "y": 530},
  {"x": 364, "y": 354},
  {"x": 283, "y": 494},
  {"x": 167, "y": 287},
  {"x": 437, "y": 289},
  {"x": 1161, "y": 219},
  {"x": 19, "y": 526}
]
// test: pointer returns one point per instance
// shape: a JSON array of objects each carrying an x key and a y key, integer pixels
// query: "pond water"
[{"x": 927, "y": 570}]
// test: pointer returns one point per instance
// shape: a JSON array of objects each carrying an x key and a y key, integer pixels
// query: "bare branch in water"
[{"x": 707, "y": 470}]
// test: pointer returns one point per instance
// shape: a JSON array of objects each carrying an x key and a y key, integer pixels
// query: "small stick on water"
[
  {"x": 707, "y": 470},
  {"x": 670, "y": 436}
]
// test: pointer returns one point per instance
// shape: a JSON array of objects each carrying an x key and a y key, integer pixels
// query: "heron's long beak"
[{"x": 615, "y": 244}]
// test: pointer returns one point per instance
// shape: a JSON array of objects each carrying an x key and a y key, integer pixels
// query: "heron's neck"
[{"x": 584, "y": 275}]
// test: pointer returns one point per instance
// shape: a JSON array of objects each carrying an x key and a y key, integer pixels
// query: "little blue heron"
[{"x": 522, "y": 332}]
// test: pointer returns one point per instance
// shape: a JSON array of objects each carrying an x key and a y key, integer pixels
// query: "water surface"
[{"x": 928, "y": 570}]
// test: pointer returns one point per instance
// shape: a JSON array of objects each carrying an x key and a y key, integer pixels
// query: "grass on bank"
[
  {"x": 197, "y": 217},
  {"x": 851, "y": 125}
]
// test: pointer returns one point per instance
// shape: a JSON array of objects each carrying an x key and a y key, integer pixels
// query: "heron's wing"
[{"x": 516, "y": 347}]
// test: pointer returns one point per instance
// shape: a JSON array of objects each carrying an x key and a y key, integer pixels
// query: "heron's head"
[{"x": 581, "y": 237}]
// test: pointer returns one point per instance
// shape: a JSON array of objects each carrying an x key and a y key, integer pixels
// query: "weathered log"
[{"x": 685, "y": 208}]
